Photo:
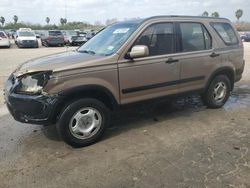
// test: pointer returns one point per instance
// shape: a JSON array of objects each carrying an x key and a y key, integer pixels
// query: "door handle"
[
  {"x": 214, "y": 55},
  {"x": 171, "y": 60}
]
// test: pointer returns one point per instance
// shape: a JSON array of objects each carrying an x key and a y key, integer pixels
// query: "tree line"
[
  {"x": 241, "y": 26},
  {"x": 238, "y": 14},
  {"x": 64, "y": 24}
]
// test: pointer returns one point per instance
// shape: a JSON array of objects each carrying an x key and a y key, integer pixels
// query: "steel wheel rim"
[
  {"x": 85, "y": 123},
  {"x": 220, "y": 91}
]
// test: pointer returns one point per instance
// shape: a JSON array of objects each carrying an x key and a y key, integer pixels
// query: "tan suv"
[{"x": 126, "y": 62}]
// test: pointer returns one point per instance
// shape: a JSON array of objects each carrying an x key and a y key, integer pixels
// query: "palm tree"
[
  {"x": 215, "y": 14},
  {"x": 61, "y": 21},
  {"x": 2, "y": 20},
  {"x": 47, "y": 20},
  {"x": 205, "y": 14},
  {"x": 238, "y": 14},
  {"x": 65, "y": 20},
  {"x": 15, "y": 18}
]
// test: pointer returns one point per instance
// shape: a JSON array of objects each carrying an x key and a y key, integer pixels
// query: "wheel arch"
[
  {"x": 86, "y": 91},
  {"x": 228, "y": 71}
]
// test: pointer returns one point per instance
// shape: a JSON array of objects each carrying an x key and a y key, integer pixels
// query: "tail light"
[
  {"x": 49, "y": 37},
  {"x": 62, "y": 37}
]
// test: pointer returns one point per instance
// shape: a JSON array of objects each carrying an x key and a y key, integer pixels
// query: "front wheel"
[
  {"x": 218, "y": 92},
  {"x": 83, "y": 122}
]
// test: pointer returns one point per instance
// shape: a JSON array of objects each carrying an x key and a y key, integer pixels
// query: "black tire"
[
  {"x": 45, "y": 43},
  {"x": 209, "y": 98},
  {"x": 63, "y": 124}
]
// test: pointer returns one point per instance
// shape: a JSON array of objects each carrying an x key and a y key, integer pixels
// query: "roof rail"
[{"x": 182, "y": 16}]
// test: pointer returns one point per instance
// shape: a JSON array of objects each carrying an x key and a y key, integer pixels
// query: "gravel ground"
[{"x": 178, "y": 143}]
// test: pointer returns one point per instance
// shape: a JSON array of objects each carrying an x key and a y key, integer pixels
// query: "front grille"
[{"x": 28, "y": 41}]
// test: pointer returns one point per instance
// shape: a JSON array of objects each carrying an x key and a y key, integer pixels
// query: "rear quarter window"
[{"x": 226, "y": 33}]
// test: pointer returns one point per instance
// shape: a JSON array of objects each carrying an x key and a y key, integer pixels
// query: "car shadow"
[
  {"x": 51, "y": 133},
  {"x": 141, "y": 115}
]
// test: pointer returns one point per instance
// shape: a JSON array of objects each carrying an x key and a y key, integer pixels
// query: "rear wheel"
[
  {"x": 218, "y": 92},
  {"x": 83, "y": 122}
]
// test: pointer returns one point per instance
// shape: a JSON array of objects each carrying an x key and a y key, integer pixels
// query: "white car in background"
[
  {"x": 26, "y": 38},
  {"x": 4, "y": 40}
]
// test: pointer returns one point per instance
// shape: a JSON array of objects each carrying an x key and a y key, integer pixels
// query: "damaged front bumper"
[{"x": 33, "y": 109}]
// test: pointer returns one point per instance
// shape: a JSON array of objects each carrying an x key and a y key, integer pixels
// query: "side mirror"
[{"x": 138, "y": 51}]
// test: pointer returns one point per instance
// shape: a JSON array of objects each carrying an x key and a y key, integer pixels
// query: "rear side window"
[
  {"x": 194, "y": 37},
  {"x": 159, "y": 38},
  {"x": 226, "y": 33},
  {"x": 55, "y": 33}
]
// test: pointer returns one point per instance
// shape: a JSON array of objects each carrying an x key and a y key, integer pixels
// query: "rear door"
[
  {"x": 155, "y": 75},
  {"x": 196, "y": 55}
]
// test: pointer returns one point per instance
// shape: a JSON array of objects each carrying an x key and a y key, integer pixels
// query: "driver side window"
[{"x": 159, "y": 38}]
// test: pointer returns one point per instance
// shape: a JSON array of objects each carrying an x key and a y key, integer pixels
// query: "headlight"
[{"x": 33, "y": 83}]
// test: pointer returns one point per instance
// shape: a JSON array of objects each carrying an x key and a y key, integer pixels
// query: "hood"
[
  {"x": 58, "y": 62},
  {"x": 26, "y": 38}
]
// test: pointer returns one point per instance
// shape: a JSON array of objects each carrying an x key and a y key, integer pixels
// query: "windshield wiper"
[{"x": 86, "y": 51}]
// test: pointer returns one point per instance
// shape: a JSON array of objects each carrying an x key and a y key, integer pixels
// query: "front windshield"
[
  {"x": 26, "y": 34},
  {"x": 109, "y": 40}
]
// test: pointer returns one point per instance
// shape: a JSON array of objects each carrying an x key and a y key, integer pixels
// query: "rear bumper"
[
  {"x": 4, "y": 43},
  {"x": 78, "y": 42},
  {"x": 52, "y": 43},
  {"x": 239, "y": 72},
  {"x": 246, "y": 39}
]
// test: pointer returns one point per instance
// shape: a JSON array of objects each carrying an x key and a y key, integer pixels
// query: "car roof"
[
  {"x": 182, "y": 16},
  {"x": 174, "y": 17},
  {"x": 25, "y": 31}
]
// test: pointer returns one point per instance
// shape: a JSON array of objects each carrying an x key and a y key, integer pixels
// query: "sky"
[{"x": 35, "y": 11}]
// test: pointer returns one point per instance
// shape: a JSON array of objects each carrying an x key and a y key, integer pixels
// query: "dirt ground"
[{"x": 179, "y": 143}]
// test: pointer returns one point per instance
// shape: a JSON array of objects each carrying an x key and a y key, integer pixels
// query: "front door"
[{"x": 155, "y": 75}]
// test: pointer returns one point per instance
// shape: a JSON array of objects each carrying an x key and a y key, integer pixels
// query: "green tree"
[
  {"x": 215, "y": 14},
  {"x": 65, "y": 20},
  {"x": 238, "y": 14},
  {"x": 15, "y": 18},
  {"x": 205, "y": 14},
  {"x": 2, "y": 20},
  {"x": 47, "y": 20}
]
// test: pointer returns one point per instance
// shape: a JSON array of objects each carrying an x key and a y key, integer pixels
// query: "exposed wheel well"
[{"x": 74, "y": 94}]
